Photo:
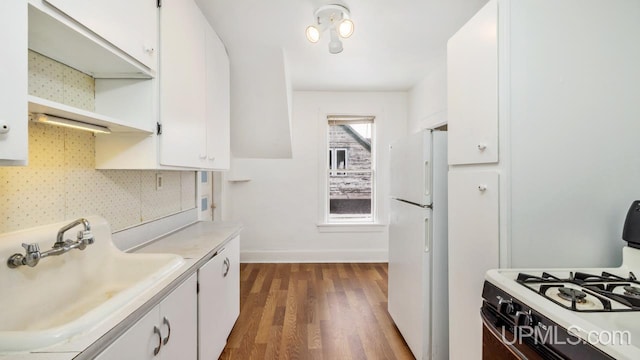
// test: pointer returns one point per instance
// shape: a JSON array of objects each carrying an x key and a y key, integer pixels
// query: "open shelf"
[{"x": 40, "y": 105}]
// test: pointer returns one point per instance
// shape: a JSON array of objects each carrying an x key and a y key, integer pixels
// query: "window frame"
[
  {"x": 334, "y": 160},
  {"x": 326, "y": 220}
]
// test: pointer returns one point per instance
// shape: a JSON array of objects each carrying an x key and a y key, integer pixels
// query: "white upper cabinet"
[
  {"x": 132, "y": 26},
  {"x": 183, "y": 84},
  {"x": 191, "y": 110},
  {"x": 13, "y": 87},
  {"x": 218, "y": 103},
  {"x": 472, "y": 85},
  {"x": 194, "y": 90}
]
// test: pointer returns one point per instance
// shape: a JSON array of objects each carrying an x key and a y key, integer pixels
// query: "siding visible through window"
[{"x": 351, "y": 190}]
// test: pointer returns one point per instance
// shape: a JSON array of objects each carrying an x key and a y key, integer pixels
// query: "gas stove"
[{"x": 590, "y": 313}]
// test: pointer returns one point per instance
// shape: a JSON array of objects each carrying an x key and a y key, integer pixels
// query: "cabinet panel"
[
  {"x": 219, "y": 299},
  {"x": 170, "y": 327},
  {"x": 182, "y": 84},
  {"x": 180, "y": 327},
  {"x": 132, "y": 26},
  {"x": 13, "y": 88},
  {"x": 472, "y": 90},
  {"x": 473, "y": 249},
  {"x": 218, "y": 103},
  {"x": 138, "y": 342}
]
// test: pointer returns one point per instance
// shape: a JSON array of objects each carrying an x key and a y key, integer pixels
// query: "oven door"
[{"x": 500, "y": 343}]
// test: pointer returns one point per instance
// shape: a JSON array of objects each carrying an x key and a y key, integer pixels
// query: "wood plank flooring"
[{"x": 314, "y": 311}]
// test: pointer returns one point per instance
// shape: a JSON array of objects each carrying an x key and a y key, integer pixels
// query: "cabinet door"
[
  {"x": 211, "y": 311},
  {"x": 218, "y": 300},
  {"x": 473, "y": 249},
  {"x": 218, "y": 103},
  {"x": 232, "y": 285},
  {"x": 179, "y": 319},
  {"x": 131, "y": 26},
  {"x": 182, "y": 84},
  {"x": 137, "y": 343},
  {"x": 13, "y": 87},
  {"x": 472, "y": 89},
  {"x": 170, "y": 328}
]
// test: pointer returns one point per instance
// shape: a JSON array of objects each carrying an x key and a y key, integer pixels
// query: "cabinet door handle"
[
  {"x": 157, "y": 332},
  {"x": 165, "y": 321},
  {"x": 227, "y": 263}
]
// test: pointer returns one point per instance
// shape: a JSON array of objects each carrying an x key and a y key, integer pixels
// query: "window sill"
[{"x": 351, "y": 227}]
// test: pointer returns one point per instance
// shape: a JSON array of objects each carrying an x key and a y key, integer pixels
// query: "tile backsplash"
[{"x": 61, "y": 182}]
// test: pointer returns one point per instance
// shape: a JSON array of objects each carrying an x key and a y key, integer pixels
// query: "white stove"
[{"x": 566, "y": 314}]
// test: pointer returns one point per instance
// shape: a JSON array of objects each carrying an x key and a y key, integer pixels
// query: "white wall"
[
  {"x": 279, "y": 205},
  {"x": 428, "y": 98}
]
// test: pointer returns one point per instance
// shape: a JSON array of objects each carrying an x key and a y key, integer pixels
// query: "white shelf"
[{"x": 39, "y": 105}]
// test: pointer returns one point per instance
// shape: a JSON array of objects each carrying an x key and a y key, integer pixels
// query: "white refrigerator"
[{"x": 418, "y": 243}]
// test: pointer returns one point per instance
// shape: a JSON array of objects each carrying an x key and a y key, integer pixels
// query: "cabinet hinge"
[
  {"x": 159, "y": 3},
  {"x": 158, "y": 128},
  {"x": 198, "y": 288}
]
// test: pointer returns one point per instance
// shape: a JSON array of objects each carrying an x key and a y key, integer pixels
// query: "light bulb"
[
  {"x": 346, "y": 28},
  {"x": 313, "y": 34}
]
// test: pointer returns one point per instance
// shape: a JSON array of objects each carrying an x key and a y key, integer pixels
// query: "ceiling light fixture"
[
  {"x": 74, "y": 124},
  {"x": 336, "y": 18}
]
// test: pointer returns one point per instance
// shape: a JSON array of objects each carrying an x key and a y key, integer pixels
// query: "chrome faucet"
[{"x": 33, "y": 254}]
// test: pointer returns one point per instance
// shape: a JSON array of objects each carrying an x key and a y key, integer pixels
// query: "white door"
[
  {"x": 472, "y": 89},
  {"x": 473, "y": 249},
  {"x": 138, "y": 342},
  {"x": 179, "y": 322},
  {"x": 205, "y": 195},
  {"x": 132, "y": 26},
  {"x": 218, "y": 103},
  {"x": 182, "y": 84},
  {"x": 409, "y": 265},
  {"x": 411, "y": 168},
  {"x": 211, "y": 308},
  {"x": 13, "y": 88}
]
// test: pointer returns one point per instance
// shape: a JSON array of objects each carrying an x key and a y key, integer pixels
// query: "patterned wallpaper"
[{"x": 61, "y": 183}]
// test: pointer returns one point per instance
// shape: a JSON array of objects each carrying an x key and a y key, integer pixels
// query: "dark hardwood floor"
[{"x": 314, "y": 311}]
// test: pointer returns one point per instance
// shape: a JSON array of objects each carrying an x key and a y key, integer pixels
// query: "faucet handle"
[
  {"x": 31, "y": 248},
  {"x": 86, "y": 237}
]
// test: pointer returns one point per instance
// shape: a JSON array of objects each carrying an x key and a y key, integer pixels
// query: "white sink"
[{"x": 67, "y": 295}]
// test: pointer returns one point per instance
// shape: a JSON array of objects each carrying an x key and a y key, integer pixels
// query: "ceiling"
[{"x": 392, "y": 47}]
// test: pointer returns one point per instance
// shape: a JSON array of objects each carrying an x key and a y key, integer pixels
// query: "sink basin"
[{"x": 67, "y": 295}]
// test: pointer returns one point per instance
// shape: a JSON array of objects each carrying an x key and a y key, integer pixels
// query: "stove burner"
[
  {"x": 570, "y": 294},
  {"x": 632, "y": 291}
]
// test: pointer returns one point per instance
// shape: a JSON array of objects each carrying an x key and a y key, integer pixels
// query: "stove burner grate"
[
  {"x": 601, "y": 287},
  {"x": 632, "y": 291},
  {"x": 571, "y": 294}
]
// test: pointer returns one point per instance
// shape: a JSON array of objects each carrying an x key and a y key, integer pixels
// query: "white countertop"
[{"x": 196, "y": 243}]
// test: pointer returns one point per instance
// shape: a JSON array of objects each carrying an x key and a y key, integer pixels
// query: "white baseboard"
[{"x": 316, "y": 256}]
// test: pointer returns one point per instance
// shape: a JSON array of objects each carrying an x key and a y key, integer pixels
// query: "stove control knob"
[
  {"x": 505, "y": 306},
  {"x": 524, "y": 318}
]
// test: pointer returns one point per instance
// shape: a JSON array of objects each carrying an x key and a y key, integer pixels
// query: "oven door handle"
[{"x": 494, "y": 331}]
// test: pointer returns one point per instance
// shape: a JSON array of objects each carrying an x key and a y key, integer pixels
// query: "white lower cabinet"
[
  {"x": 473, "y": 244},
  {"x": 218, "y": 299},
  {"x": 168, "y": 331}
]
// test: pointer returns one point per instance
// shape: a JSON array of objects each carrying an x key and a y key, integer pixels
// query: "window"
[
  {"x": 338, "y": 160},
  {"x": 350, "y": 191}
]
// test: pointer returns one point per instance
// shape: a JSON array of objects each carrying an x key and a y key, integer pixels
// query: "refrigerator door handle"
[{"x": 427, "y": 235}]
